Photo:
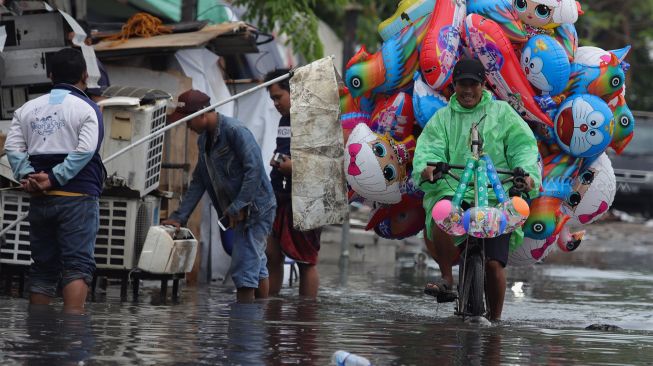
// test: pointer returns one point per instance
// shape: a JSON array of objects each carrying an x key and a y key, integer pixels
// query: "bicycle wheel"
[{"x": 472, "y": 287}]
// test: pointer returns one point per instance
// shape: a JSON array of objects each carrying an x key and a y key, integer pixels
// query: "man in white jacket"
[{"x": 52, "y": 147}]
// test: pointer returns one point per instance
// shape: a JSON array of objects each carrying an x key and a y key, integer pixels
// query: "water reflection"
[
  {"x": 378, "y": 313},
  {"x": 247, "y": 334},
  {"x": 57, "y": 338}
]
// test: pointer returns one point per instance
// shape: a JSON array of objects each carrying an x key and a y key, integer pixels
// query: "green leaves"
[{"x": 295, "y": 19}]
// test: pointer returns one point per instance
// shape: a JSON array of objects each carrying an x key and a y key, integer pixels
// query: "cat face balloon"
[
  {"x": 584, "y": 126},
  {"x": 376, "y": 167}
]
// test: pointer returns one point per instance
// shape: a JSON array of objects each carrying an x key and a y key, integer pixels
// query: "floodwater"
[{"x": 374, "y": 311}]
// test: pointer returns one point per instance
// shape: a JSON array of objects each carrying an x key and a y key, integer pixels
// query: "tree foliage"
[{"x": 610, "y": 24}]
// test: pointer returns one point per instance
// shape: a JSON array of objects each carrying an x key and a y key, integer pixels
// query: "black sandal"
[{"x": 442, "y": 291}]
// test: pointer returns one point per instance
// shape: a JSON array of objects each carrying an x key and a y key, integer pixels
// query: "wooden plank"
[{"x": 175, "y": 40}]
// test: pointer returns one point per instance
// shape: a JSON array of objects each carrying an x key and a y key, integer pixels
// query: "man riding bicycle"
[{"x": 508, "y": 141}]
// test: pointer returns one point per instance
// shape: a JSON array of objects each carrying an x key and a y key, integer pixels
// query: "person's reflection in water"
[
  {"x": 292, "y": 331},
  {"x": 58, "y": 338},
  {"x": 479, "y": 347},
  {"x": 247, "y": 340}
]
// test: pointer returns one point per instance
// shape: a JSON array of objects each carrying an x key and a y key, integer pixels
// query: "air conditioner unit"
[
  {"x": 167, "y": 251},
  {"x": 124, "y": 223},
  {"x": 15, "y": 247},
  {"x": 139, "y": 168}
]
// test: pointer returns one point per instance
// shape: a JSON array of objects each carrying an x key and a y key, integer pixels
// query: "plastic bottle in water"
[{"x": 344, "y": 358}]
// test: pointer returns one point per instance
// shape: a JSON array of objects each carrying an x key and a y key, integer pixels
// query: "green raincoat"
[{"x": 507, "y": 139}]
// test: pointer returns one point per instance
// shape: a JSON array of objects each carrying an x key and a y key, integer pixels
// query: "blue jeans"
[
  {"x": 62, "y": 240},
  {"x": 248, "y": 260}
]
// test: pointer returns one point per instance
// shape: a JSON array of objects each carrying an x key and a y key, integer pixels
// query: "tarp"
[{"x": 319, "y": 189}]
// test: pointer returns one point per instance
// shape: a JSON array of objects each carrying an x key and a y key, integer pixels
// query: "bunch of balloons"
[{"x": 572, "y": 97}]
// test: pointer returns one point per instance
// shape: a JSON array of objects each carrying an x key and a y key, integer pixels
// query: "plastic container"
[{"x": 344, "y": 358}]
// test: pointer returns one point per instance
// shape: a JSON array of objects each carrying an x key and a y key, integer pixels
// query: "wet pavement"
[{"x": 376, "y": 311}]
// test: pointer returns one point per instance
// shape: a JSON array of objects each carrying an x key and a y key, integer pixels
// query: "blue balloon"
[
  {"x": 426, "y": 101},
  {"x": 584, "y": 126},
  {"x": 546, "y": 64}
]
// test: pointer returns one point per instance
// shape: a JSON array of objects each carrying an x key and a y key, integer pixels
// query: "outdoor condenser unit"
[
  {"x": 31, "y": 40},
  {"x": 124, "y": 223},
  {"x": 130, "y": 114}
]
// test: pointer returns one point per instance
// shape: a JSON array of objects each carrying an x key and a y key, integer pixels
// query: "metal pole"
[
  {"x": 351, "y": 21},
  {"x": 188, "y": 10},
  {"x": 198, "y": 113},
  {"x": 344, "y": 240}
]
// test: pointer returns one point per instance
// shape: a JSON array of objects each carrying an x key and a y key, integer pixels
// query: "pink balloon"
[{"x": 441, "y": 210}]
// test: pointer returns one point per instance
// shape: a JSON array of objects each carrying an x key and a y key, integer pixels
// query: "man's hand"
[
  {"x": 530, "y": 183},
  {"x": 36, "y": 183},
  {"x": 430, "y": 174},
  {"x": 172, "y": 222},
  {"x": 234, "y": 220}
]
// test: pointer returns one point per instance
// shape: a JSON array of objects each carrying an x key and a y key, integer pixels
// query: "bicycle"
[{"x": 480, "y": 221}]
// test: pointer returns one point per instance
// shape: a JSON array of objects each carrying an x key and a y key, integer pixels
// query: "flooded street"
[{"x": 376, "y": 311}]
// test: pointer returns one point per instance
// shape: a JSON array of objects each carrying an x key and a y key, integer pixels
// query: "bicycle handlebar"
[{"x": 517, "y": 175}]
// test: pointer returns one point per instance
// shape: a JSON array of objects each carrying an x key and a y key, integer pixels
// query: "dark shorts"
[
  {"x": 62, "y": 240},
  {"x": 301, "y": 246},
  {"x": 495, "y": 248}
]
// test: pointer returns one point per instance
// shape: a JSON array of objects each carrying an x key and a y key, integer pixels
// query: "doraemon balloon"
[
  {"x": 546, "y": 65},
  {"x": 584, "y": 126}
]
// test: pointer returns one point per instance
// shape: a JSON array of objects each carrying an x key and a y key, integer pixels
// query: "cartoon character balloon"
[
  {"x": 394, "y": 115},
  {"x": 408, "y": 12},
  {"x": 546, "y": 14},
  {"x": 599, "y": 196},
  {"x": 376, "y": 168},
  {"x": 390, "y": 68},
  {"x": 400, "y": 220},
  {"x": 624, "y": 124},
  {"x": 546, "y": 217},
  {"x": 426, "y": 101},
  {"x": 503, "y": 12},
  {"x": 598, "y": 72},
  {"x": 503, "y": 69},
  {"x": 439, "y": 51},
  {"x": 531, "y": 251},
  {"x": 545, "y": 64},
  {"x": 584, "y": 125}
]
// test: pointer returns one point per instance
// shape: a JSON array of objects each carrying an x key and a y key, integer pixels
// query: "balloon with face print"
[
  {"x": 624, "y": 123},
  {"x": 599, "y": 196},
  {"x": 598, "y": 72},
  {"x": 545, "y": 64},
  {"x": 532, "y": 251},
  {"x": 376, "y": 167},
  {"x": 546, "y": 14},
  {"x": 584, "y": 125},
  {"x": 546, "y": 217}
]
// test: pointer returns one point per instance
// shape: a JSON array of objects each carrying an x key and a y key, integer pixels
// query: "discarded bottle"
[{"x": 344, "y": 358}]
